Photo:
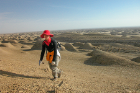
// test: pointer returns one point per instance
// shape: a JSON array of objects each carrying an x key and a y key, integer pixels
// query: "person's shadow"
[{"x": 10, "y": 74}]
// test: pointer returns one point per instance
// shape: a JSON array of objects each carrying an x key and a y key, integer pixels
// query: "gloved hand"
[
  {"x": 40, "y": 62},
  {"x": 53, "y": 63}
]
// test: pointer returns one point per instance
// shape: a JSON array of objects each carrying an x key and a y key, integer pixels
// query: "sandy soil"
[{"x": 89, "y": 65}]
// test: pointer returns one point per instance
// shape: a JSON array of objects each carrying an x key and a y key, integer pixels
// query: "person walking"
[{"x": 53, "y": 56}]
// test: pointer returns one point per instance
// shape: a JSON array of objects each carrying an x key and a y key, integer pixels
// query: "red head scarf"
[{"x": 47, "y": 42}]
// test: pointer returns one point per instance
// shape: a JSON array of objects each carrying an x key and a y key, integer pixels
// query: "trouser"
[{"x": 55, "y": 70}]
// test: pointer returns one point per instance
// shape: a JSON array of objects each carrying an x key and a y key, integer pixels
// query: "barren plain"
[{"x": 92, "y": 61}]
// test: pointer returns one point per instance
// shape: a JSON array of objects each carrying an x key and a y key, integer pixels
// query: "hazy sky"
[{"x": 38, "y": 15}]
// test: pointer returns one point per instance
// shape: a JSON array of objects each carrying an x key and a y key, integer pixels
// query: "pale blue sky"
[{"x": 38, "y": 15}]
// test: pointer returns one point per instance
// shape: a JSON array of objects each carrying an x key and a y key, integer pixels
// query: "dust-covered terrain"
[{"x": 92, "y": 61}]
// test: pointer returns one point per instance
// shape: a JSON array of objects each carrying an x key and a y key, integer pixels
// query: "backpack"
[{"x": 58, "y": 46}]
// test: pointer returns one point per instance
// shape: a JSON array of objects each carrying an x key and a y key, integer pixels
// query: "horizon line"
[{"x": 75, "y": 29}]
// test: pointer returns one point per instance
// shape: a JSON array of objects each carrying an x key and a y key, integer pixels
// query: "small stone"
[{"x": 20, "y": 91}]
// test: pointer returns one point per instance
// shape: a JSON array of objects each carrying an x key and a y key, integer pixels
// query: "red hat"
[{"x": 46, "y": 32}]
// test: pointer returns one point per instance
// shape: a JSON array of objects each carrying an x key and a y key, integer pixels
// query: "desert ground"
[{"x": 92, "y": 61}]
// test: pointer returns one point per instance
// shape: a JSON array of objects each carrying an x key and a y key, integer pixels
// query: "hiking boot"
[
  {"x": 54, "y": 79},
  {"x": 59, "y": 74}
]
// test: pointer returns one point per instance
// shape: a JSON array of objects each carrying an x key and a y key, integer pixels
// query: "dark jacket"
[{"x": 52, "y": 47}]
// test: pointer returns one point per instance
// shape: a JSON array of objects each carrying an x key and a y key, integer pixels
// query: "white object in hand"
[
  {"x": 40, "y": 62},
  {"x": 53, "y": 63}
]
